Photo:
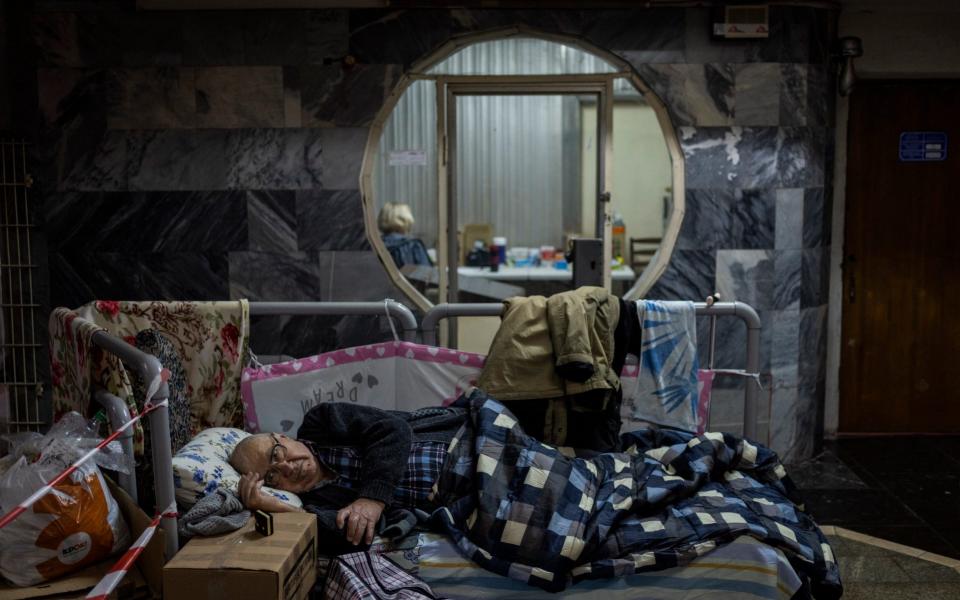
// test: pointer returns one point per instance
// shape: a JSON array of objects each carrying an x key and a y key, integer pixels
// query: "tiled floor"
[{"x": 902, "y": 489}]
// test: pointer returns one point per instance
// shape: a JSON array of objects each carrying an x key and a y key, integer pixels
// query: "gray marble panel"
[
  {"x": 813, "y": 336},
  {"x": 291, "y": 276},
  {"x": 713, "y": 219},
  {"x": 690, "y": 275},
  {"x": 816, "y": 219},
  {"x": 148, "y": 222},
  {"x": 330, "y": 220},
  {"x": 787, "y": 279},
  {"x": 145, "y": 37},
  {"x": 757, "y": 92},
  {"x": 327, "y": 35},
  {"x": 731, "y": 348},
  {"x": 178, "y": 160},
  {"x": 646, "y": 34},
  {"x": 398, "y": 36},
  {"x": 340, "y": 96},
  {"x": 816, "y": 277},
  {"x": 97, "y": 162},
  {"x": 701, "y": 95},
  {"x": 154, "y": 98},
  {"x": 274, "y": 38},
  {"x": 820, "y": 96},
  {"x": 342, "y": 156},
  {"x": 213, "y": 38},
  {"x": 746, "y": 276},
  {"x": 292, "y": 107},
  {"x": 355, "y": 276},
  {"x": 785, "y": 348},
  {"x": 793, "y": 421},
  {"x": 735, "y": 157},
  {"x": 293, "y": 336},
  {"x": 273, "y": 159},
  {"x": 237, "y": 97},
  {"x": 67, "y": 96},
  {"x": 272, "y": 221},
  {"x": 790, "y": 225},
  {"x": 801, "y": 156},
  {"x": 793, "y": 95},
  {"x": 81, "y": 277}
]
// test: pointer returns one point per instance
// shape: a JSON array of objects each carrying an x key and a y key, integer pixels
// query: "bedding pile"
[{"x": 523, "y": 509}]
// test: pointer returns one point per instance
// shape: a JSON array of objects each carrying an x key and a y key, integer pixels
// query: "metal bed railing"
[{"x": 745, "y": 312}]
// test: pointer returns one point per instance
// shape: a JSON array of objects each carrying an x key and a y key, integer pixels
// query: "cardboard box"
[
  {"x": 245, "y": 564},
  {"x": 143, "y": 580}
]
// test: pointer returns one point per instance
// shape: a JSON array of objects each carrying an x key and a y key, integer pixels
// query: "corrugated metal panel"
[{"x": 510, "y": 148}]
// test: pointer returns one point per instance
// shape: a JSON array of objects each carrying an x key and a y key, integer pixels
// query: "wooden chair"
[{"x": 642, "y": 251}]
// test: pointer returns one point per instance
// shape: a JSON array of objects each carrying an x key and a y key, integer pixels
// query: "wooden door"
[{"x": 900, "y": 365}]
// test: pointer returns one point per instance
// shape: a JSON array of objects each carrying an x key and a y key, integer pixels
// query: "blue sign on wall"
[{"x": 918, "y": 146}]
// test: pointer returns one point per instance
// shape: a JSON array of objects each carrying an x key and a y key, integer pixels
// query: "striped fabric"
[
  {"x": 366, "y": 576},
  {"x": 413, "y": 491}
]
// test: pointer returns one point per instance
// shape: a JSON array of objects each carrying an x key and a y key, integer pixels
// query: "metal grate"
[{"x": 20, "y": 387}]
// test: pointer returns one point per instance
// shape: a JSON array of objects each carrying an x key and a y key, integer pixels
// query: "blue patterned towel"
[{"x": 665, "y": 391}]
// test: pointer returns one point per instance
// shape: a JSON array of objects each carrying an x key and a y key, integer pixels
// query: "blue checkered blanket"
[{"x": 526, "y": 510}]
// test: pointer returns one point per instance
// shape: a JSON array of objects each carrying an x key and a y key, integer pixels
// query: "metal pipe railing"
[
  {"x": 149, "y": 369},
  {"x": 744, "y": 312},
  {"x": 119, "y": 413},
  {"x": 392, "y": 308}
]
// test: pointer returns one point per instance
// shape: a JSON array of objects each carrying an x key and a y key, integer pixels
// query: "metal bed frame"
[{"x": 148, "y": 367}]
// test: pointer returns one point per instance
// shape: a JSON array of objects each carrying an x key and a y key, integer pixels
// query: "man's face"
[{"x": 284, "y": 463}]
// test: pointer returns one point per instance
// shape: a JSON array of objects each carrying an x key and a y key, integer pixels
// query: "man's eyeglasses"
[{"x": 278, "y": 454}]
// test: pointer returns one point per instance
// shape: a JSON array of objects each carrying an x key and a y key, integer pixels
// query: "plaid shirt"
[{"x": 413, "y": 490}]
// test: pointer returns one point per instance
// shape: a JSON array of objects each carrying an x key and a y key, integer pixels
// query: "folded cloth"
[{"x": 215, "y": 513}]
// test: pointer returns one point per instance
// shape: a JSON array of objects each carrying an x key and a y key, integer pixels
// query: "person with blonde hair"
[{"x": 395, "y": 222}]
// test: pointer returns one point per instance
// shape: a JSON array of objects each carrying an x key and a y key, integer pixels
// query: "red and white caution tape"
[
  {"x": 117, "y": 572},
  {"x": 23, "y": 506}
]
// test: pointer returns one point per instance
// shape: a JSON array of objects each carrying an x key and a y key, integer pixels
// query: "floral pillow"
[{"x": 202, "y": 466}]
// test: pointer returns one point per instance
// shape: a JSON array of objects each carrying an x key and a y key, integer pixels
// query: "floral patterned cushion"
[{"x": 201, "y": 467}]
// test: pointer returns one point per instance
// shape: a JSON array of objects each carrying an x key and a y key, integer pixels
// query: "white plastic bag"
[{"x": 77, "y": 524}]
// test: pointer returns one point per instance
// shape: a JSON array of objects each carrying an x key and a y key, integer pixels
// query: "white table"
[{"x": 536, "y": 273}]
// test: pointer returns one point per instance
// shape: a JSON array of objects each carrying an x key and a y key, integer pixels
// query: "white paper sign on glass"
[{"x": 407, "y": 158}]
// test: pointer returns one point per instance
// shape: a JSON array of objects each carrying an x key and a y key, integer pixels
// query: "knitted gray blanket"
[{"x": 215, "y": 513}]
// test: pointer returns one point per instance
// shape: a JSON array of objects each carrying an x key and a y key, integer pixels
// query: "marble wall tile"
[
  {"x": 146, "y": 38},
  {"x": 342, "y": 270},
  {"x": 397, "y": 36},
  {"x": 731, "y": 348},
  {"x": 690, "y": 274},
  {"x": 330, "y": 220},
  {"x": 790, "y": 225},
  {"x": 213, "y": 38},
  {"x": 337, "y": 96},
  {"x": 727, "y": 219},
  {"x": 785, "y": 347},
  {"x": 273, "y": 159},
  {"x": 788, "y": 282},
  {"x": 701, "y": 95},
  {"x": 292, "y": 105},
  {"x": 801, "y": 156},
  {"x": 294, "y": 336},
  {"x": 793, "y": 419},
  {"x": 702, "y": 47},
  {"x": 757, "y": 92},
  {"x": 821, "y": 90},
  {"x": 642, "y": 34},
  {"x": 793, "y": 95},
  {"x": 272, "y": 221},
  {"x": 816, "y": 219},
  {"x": 269, "y": 276},
  {"x": 816, "y": 277},
  {"x": 148, "y": 222},
  {"x": 236, "y": 97},
  {"x": 813, "y": 336},
  {"x": 726, "y": 411},
  {"x": 82, "y": 277},
  {"x": 734, "y": 157},
  {"x": 746, "y": 276},
  {"x": 342, "y": 156},
  {"x": 178, "y": 159},
  {"x": 274, "y": 37},
  {"x": 154, "y": 98},
  {"x": 98, "y": 162},
  {"x": 326, "y": 35}
]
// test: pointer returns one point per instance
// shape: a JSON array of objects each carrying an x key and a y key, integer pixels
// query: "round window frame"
[{"x": 661, "y": 259}]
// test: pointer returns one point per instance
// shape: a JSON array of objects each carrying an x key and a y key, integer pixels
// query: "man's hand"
[
  {"x": 359, "y": 519},
  {"x": 255, "y": 498}
]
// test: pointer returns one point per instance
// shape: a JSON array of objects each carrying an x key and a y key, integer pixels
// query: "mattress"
[{"x": 744, "y": 568}]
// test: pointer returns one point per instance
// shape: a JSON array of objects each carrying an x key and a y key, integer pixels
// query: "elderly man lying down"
[{"x": 529, "y": 511}]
